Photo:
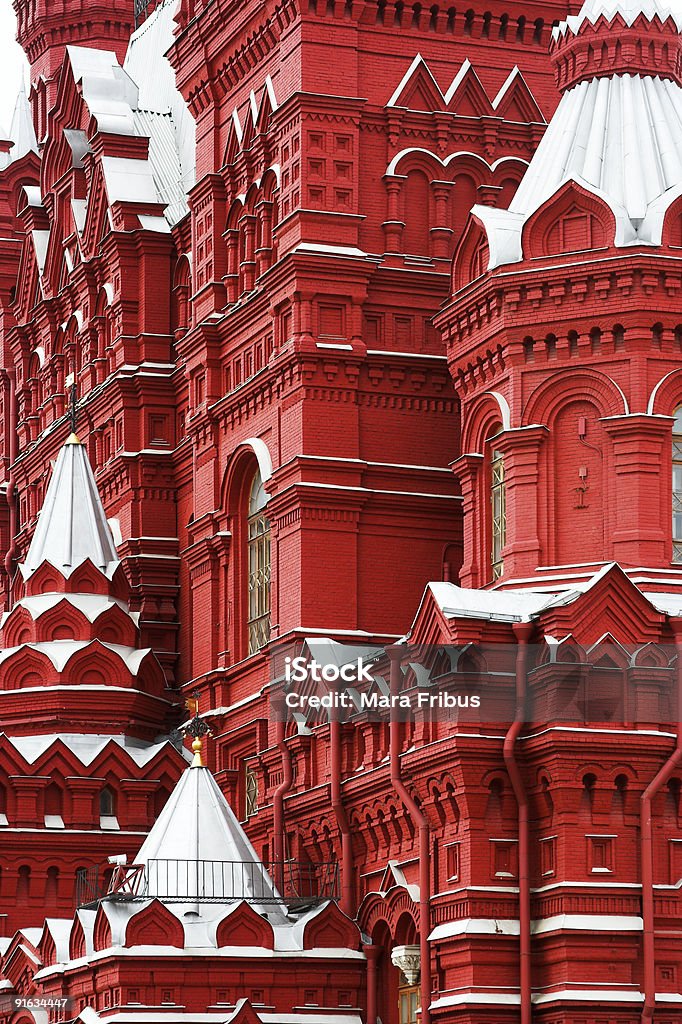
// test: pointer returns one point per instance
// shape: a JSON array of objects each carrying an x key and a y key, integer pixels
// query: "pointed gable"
[
  {"x": 515, "y": 101},
  {"x": 611, "y": 603},
  {"x": 418, "y": 89},
  {"x": 466, "y": 95}
]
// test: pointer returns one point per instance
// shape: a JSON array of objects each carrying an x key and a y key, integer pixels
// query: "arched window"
[
  {"x": 498, "y": 505},
  {"x": 677, "y": 486},
  {"x": 24, "y": 882},
  {"x": 107, "y": 809},
  {"x": 52, "y": 884},
  {"x": 53, "y": 806},
  {"x": 258, "y": 540}
]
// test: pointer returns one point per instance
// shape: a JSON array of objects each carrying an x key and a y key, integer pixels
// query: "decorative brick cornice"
[{"x": 607, "y": 48}]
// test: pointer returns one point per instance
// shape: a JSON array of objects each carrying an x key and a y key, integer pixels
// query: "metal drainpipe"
[
  {"x": 523, "y": 632},
  {"x": 347, "y": 900},
  {"x": 419, "y": 819},
  {"x": 372, "y": 953},
  {"x": 278, "y": 803},
  {"x": 11, "y": 483},
  {"x": 647, "y": 846}
]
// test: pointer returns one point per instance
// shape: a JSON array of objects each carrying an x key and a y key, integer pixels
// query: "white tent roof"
[
  {"x": 198, "y": 827},
  {"x": 72, "y": 526}
]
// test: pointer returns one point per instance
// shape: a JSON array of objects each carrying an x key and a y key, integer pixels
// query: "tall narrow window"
[
  {"x": 408, "y": 1004},
  {"x": 258, "y": 533},
  {"x": 498, "y": 509},
  {"x": 677, "y": 486},
  {"x": 251, "y": 792}
]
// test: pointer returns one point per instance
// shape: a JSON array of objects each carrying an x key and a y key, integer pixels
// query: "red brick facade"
[{"x": 281, "y": 300}]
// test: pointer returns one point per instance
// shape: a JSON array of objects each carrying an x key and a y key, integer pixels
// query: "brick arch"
[
  {"x": 77, "y": 942},
  {"x": 234, "y": 214},
  {"x": 247, "y": 456},
  {"x": 331, "y": 929},
  {"x": 45, "y": 580},
  {"x": 99, "y": 665},
  {"x": 155, "y": 926},
  {"x": 270, "y": 182},
  {"x": 472, "y": 254},
  {"x": 19, "y": 628},
  {"x": 47, "y": 949},
  {"x": 26, "y": 667},
  {"x": 481, "y": 416},
  {"x": 650, "y": 656},
  {"x": 101, "y": 933},
  {"x": 377, "y": 909},
  {"x": 245, "y": 927},
  {"x": 585, "y": 385},
  {"x": 63, "y": 622},
  {"x": 573, "y": 219},
  {"x": 415, "y": 158},
  {"x": 670, "y": 233},
  {"x": 666, "y": 395},
  {"x": 86, "y": 578}
]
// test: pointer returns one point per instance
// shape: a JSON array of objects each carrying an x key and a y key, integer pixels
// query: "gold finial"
[
  {"x": 197, "y": 728},
  {"x": 197, "y": 747},
  {"x": 73, "y": 438}
]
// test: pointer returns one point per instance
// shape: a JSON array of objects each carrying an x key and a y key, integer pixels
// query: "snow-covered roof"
[
  {"x": 617, "y": 136},
  {"x": 523, "y": 605},
  {"x": 86, "y": 747},
  {"x": 197, "y": 824},
  {"x": 60, "y": 652},
  {"x": 91, "y": 605},
  {"x": 629, "y": 10},
  {"x": 72, "y": 526},
  {"x": 621, "y": 136},
  {"x": 161, "y": 112}
]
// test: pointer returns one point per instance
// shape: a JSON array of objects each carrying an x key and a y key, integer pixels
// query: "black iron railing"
[
  {"x": 290, "y": 883},
  {"x": 140, "y": 9}
]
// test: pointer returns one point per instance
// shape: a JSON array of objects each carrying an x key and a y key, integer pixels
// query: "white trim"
[
  {"x": 504, "y": 408},
  {"x": 263, "y": 457}
]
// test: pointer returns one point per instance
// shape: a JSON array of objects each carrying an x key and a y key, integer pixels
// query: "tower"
[
  {"x": 83, "y": 707},
  {"x": 563, "y": 333},
  {"x": 45, "y": 29}
]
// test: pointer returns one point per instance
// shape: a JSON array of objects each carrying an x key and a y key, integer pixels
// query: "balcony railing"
[{"x": 289, "y": 883}]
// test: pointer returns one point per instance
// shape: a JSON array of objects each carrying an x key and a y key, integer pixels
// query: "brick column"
[
  {"x": 137, "y": 812},
  {"x": 27, "y": 790},
  {"x": 641, "y": 489},
  {"x": 84, "y": 809},
  {"x": 521, "y": 450},
  {"x": 469, "y": 471}
]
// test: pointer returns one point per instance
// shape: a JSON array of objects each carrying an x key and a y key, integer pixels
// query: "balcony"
[{"x": 289, "y": 883}]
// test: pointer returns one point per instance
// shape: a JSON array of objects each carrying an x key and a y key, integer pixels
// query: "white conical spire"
[
  {"x": 72, "y": 525},
  {"x": 22, "y": 133},
  {"x": 197, "y": 848}
]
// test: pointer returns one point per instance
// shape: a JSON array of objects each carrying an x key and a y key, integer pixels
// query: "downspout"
[
  {"x": 372, "y": 953},
  {"x": 523, "y": 632},
  {"x": 278, "y": 804},
  {"x": 647, "y": 846},
  {"x": 347, "y": 900},
  {"x": 11, "y": 483},
  {"x": 419, "y": 819}
]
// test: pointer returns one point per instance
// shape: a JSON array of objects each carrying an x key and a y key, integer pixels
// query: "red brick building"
[{"x": 322, "y": 406}]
